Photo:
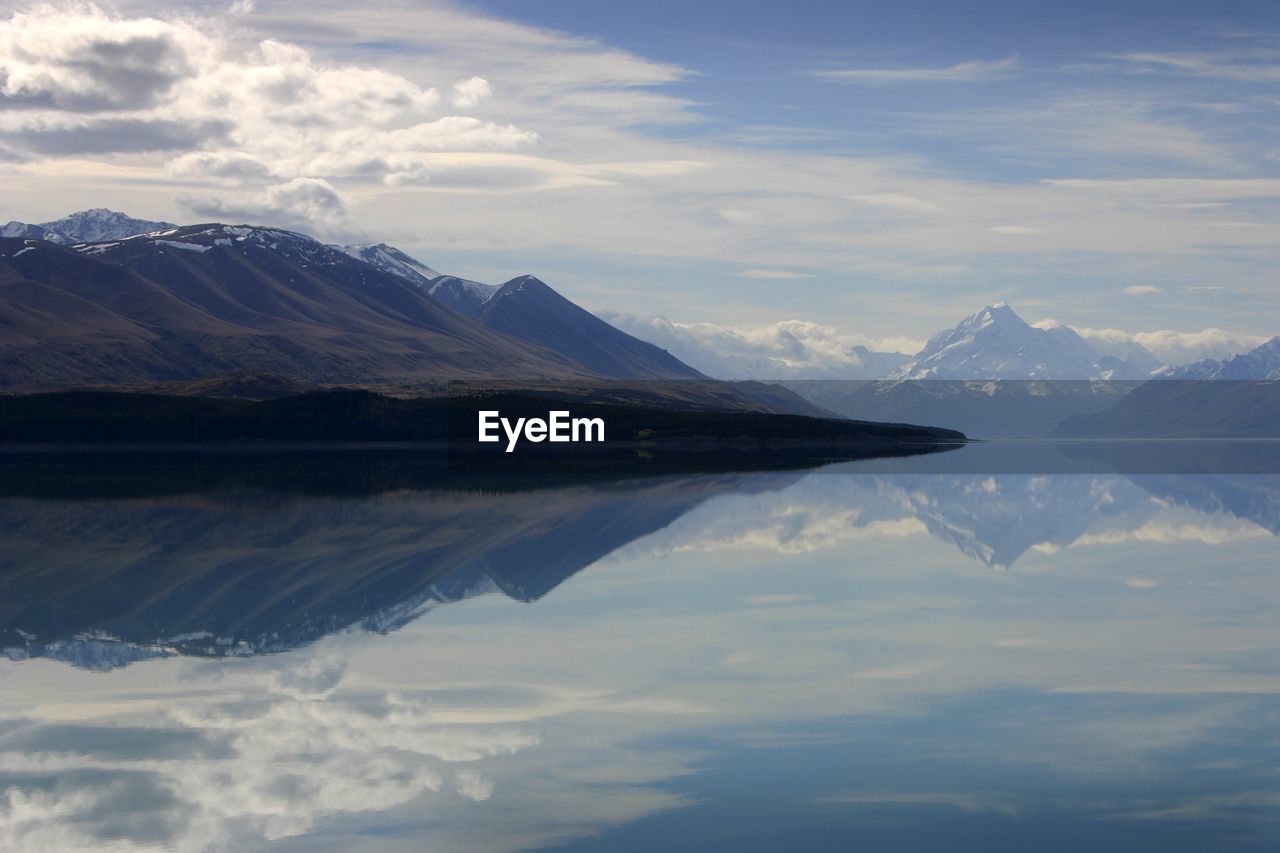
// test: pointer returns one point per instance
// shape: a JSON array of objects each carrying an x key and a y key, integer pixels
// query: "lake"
[{"x": 1008, "y": 646}]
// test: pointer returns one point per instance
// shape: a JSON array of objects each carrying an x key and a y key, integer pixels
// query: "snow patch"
[{"x": 186, "y": 247}]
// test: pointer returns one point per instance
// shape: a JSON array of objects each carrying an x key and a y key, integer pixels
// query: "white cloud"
[
  {"x": 302, "y": 203},
  {"x": 1170, "y": 533},
  {"x": 1141, "y": 290},
  {"x": 85, "y": 60},
  {"x": 961, "y": 72},
  {"x": 219, "y": 167},
  {"x": 470, "y": 92},
  {"x": 1178, "y": 347},
  {"x": 794, "y": 349},
  {"x": 1142, "y": 583},
  {"x": 236, "y": 103}
]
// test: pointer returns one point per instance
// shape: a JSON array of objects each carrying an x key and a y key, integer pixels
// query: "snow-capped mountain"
[
  {"x": 1259, "y": 363},
  {"x": 26, "y": 231},
  {"x": 995, "y": 343},
  {"x": 85, "y": 226},
  {"x": 392, "y": 260}
]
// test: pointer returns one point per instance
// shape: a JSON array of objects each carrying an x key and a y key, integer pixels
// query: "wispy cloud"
[
  {"x": 962, "y": 72},
  {"x": 899, "y": 203},
  {"x": 1141, "y": 290},
  {"x": 781, "y": 275},
  {"x": 1246, "y": 66}
]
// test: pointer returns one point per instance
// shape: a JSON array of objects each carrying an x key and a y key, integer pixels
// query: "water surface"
[{"x": 1008, "y": 647}]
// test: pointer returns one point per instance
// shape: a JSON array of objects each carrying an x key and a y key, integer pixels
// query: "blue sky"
[{"x": 879, "y": 169}]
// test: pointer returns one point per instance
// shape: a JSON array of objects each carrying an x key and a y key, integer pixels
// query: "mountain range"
[
  {"x": 992, "y": 343},
  {"x": 100, "y": 298},
  {"x": 996, "y": 376}
]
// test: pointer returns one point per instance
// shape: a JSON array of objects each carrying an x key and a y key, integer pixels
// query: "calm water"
[{"x": 1002, "y": 648}]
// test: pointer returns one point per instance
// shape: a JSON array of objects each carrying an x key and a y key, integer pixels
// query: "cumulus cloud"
[
  {"x": 79, "y": 80},
  {"x": 302, "y": 203},
  {"x": 1177, "y": 347},
  {"x": 84, "y": 60},
  {"x": 470, "y": 92},
  {"x": 789, "y": 349}
]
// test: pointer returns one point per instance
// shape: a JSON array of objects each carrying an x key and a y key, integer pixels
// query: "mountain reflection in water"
[{"x": 893, "y": 656}]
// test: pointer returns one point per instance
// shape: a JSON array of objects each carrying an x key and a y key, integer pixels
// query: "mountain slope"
[
  {"x": 1186, "y": 409},
  {"x": 528, "y": 309},
  {"x": 464, "y": 296},
  {"x": 1262, "y": 362},
  {"x": 196, "y": 301}
]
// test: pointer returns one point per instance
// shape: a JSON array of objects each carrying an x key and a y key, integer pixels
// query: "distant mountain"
[
  {"x": 391, "y": 260},
  {"x": 1262, "y": 362},
  {"x": 528, "y": 309},
  {"x": 100, "y": 224},
  {"x": 995, "y": 343},
  {"x": 32, "y": 232},
  {"x": 197, "y": 301},
  {"x": 86, "y": 226},
  {"x": 994, "y": 408}
]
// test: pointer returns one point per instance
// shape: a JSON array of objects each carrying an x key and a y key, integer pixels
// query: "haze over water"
[{"x": 1004, "y": 647}]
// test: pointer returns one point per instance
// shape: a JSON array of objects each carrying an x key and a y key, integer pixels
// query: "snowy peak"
[
  {"x": 99, "y": 224},
  {"x": 27, "y": 231},
  {"x": 389, "y": 259},
  {"x": 996, "y": 343},
  {"x": 198, "y": 239},
  {"x": 85, "y": 226}
]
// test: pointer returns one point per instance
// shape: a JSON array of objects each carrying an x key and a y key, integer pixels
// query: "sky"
[{"x": 876, "y": 170}]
